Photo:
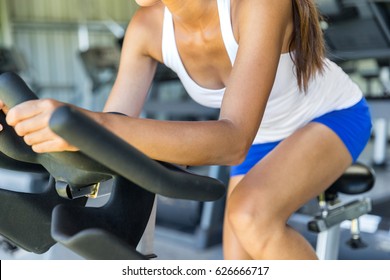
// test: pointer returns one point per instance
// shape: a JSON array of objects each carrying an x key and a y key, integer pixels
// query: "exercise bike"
[
  {"x": 56, "y": 212},
  {"x": 37, "y": 219}
]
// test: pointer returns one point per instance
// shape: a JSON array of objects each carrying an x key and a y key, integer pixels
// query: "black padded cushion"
[{"x": 357, "y": 179}]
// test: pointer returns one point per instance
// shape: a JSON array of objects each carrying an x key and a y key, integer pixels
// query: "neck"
[{"x": 192, "y": 15}]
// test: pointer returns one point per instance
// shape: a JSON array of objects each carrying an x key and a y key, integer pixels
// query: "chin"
[{"x": 147, "y": 3}]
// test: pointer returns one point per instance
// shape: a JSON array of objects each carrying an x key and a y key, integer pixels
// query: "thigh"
[
  {"x": 298, "y": 169},
  {"x": 233, "y": 182}
]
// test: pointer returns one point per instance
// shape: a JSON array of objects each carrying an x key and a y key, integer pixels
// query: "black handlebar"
[
  {"x": 13, "y": 90},
  {"x": 161, "y": 178},
  {"x": 75, "y": 169},
  {"x": 111, "y": 155}
]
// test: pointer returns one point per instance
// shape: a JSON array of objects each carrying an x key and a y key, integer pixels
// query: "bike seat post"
[
  {"x": 328, "y": 241},
  {"x": 325, "y": 202},
  {"x": 356, "y": 242},
  {"x": 322, "y": 204},
  {"x": 356, "y": 180}
]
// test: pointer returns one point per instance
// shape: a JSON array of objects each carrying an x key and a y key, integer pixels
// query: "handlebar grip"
[
  {"x": 106, "y": 148},
  {"x": 13, "y": 90},
  {"x": 73, "y": 168}
]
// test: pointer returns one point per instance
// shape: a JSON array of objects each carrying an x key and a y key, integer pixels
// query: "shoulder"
[
  {"x": 148, "y": 17},
  {"x": 259, "y": 14},
  {"x": 145, "y": 29},
  {"x": 245, "y": 7}
]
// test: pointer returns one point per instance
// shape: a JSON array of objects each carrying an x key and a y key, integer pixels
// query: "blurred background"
[
  {"x": 65, "y": 49},
  {"x": 69, "y": 50}
]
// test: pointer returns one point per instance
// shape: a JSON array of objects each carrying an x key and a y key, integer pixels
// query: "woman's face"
[{"x": 146, "y": 3}]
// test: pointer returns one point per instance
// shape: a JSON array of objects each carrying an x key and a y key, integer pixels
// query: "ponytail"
[{"x": 307, "y": 41}]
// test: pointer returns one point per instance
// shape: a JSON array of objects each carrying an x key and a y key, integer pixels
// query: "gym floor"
[{"x": 172, "y": 246}]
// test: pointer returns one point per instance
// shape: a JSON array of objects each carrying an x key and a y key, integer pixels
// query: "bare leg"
[
  {"x": 297, "y": 170},
  {"x": 232, "y": 249}
]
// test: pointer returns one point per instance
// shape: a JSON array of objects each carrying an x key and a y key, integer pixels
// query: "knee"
[
  {"x": 255, "y": 218},
  {"x": 245, "y": 212}
]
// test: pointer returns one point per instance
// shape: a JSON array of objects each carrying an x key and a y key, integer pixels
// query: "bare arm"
[
  {"x": 261, "y": 29},
  {"x": 227, "y": 140},
  {"x": 137, "y": 67}
]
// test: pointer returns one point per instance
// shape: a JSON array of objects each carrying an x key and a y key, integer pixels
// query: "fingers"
[
  {"x": 30, "y": 109},
  {"x": 3, "y": 107},
  {"x": 30, "y": 120},
  {"x": 54, "y": 145},
  {"x": 32, "y": 124},
  {"x": 39, "y": 136},
  {"x": 45, "y": 147},
  {"x": 44, "y": 141}
]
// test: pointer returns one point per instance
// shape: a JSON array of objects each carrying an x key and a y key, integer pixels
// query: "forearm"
[{"x": 179, "y": 142}]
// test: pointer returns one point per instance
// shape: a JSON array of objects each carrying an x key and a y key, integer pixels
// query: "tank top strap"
[
  {"x": 227, "y": 29},
  {"x": 168, "y": 42}
]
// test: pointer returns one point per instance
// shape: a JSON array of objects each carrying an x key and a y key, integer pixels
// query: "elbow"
[
  {"x": 238, "y": 153},
  {"x": 237, "y": 145}
]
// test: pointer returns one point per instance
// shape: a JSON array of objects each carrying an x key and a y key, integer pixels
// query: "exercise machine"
[
  {"x": 356, "y": 180},
  {"x": 356, "y": 30},
  {"x": 57, "y": 212}
]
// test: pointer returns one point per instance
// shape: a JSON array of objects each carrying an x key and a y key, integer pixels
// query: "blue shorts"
[{"x": 352, "y": 125}]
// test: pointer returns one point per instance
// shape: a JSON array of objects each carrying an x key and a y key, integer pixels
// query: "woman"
[{"x": 262, "y": 62}]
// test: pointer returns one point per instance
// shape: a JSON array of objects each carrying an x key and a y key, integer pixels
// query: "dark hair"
[{"x": 307, "y": 41}]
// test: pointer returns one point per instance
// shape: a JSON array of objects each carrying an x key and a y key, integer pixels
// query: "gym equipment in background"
[
  {"x": 356, "y": 30},
  {"x": 356, "y": 180}
]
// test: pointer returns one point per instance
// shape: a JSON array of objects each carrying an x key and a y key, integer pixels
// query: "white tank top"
[{"x": 288, "y": 108}]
